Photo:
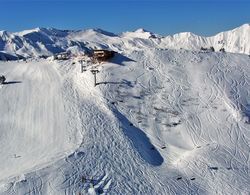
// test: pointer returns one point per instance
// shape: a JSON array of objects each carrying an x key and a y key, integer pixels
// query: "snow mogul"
[{"x": 2, "y": 79}]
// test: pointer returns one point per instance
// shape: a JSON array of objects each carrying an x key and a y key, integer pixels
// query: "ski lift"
[{"x": 94, "y": 72}]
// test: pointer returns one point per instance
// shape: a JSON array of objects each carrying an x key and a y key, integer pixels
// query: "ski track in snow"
[{"x": 166, "y": 122}]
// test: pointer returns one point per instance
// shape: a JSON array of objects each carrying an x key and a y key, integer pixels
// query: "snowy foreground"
[{"x": 158, "y": 122}]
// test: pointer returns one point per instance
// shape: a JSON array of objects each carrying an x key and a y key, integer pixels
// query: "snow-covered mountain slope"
[
  {"x": 158, "y": 122},
  {"x": 140, "y": 33},
  {"x": 48, "y": 41},
  {"x": 235, "y": 41}
]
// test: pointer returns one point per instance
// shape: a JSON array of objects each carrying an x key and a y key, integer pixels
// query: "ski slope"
[
  {"x": 159, "y": 122},
  {"x": 35, "y": 124}
]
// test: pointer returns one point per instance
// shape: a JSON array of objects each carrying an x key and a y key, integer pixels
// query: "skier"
[{"x": 2, "y": 79}]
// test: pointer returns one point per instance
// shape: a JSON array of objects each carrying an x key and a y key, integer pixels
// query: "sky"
[{"x": 164, "y": 17}]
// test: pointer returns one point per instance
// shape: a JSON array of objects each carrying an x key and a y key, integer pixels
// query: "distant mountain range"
[{"x": 48, "y": 41}]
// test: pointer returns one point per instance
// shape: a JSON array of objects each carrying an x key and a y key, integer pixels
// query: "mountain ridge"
[{"x": 48, "y": 41}]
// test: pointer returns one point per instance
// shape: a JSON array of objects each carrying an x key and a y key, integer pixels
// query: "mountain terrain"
[
  {"x": 48, "y": 41},
  {"x": 165, "y": 116}
]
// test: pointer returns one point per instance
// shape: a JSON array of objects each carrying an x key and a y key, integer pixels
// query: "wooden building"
[{"x": 103, "y": 55}]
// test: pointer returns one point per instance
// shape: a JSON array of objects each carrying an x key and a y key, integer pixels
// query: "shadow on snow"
[
  {"x": 140, "y": 141},
  {"x": 11, "y": 82},
  {"x": 123, "y": 82},
  {"x": 120, "y": 59}
]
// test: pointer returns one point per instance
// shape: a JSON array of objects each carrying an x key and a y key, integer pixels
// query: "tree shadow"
[
  {"x": 120, "y": 59},
  {"x": 11, "y": 82},
  {"x": 140, "y": 140}
]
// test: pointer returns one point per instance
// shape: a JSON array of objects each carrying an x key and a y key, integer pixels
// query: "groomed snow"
[{"x": 36, "y": 125}]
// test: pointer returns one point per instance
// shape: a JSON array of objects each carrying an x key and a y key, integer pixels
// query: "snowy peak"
[
  {"x": 242, "y": 29},
  {"x": 3, "y": 32},
  {"x": 185, "y": 35},
  {"x": 141, "y": 30},
  {"x": 94, "y": 33},
  {"x": 48, "y": 41},
  {"x": 25, "y": 32},
  {"x": 4, "y": 35},
  {"x": 235, "y": 41},
  {"x": 139, "y": 33},
  {"x": 45, "y": 31}
]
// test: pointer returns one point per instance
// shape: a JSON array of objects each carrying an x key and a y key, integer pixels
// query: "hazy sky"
[{"x": 203, "y": 17}]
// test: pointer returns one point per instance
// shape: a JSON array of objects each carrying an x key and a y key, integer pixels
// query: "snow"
[
  {"x": 48, "y": 41},
  {"x": 33, "y": 115},
  {"x": 25, "y": 32},
  {"x": 139, "y": 33},
  {"x": 159, "y": 121}
]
